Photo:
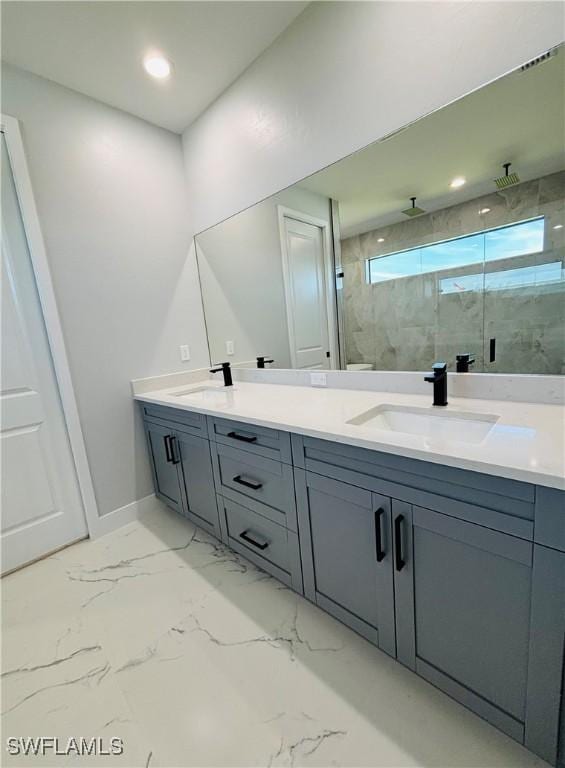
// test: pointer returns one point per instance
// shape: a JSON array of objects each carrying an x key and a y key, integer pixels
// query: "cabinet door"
[
  {"x": 165, "y": 474},
  {"x": 467, "y": 590},
  {"x": 197, "y": 480},
  {"x": 345, "y": 543},
  {"x": 545, "y": 730}
]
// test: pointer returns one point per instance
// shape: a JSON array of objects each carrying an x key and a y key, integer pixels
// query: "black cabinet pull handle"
[
  {"x": 398, "y": 559},
  {"x": 174, "y": 450},
  {"x": 168, "y": 452},
  {"x": 247, "y": 483},
  {"x": 246, "y": 537},
  {"x": 243, "y": 438},
  {"x": 378, "y": 535}
]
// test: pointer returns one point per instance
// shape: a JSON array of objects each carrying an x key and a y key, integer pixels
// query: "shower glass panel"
[
  {"x": 454, "y": 296},
  {"x": 524, "y": 296}
]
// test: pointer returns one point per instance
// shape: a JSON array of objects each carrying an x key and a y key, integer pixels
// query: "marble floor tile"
[{"x": 160, "y": 635}]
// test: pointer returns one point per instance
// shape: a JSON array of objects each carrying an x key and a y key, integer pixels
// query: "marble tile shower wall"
[{"x": 406, "y": 324}]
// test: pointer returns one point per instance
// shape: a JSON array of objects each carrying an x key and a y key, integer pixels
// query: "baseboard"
[{"x": 124, "y": 515}]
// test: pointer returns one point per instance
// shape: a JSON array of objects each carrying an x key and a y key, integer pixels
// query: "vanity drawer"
[
  {"x": 261, "y": 483},
  {"x": 267, "y": 544},
  {"x": 270, "y": 443},
  {"x": 190, "y": 421}
]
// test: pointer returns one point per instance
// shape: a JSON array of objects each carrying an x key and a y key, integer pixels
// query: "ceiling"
[
  {"x": 518, "y": 118},
  {"x": 97, "y": 48}
]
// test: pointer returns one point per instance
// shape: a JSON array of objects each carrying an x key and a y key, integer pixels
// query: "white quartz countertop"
[{"x": 526, "y": 443}]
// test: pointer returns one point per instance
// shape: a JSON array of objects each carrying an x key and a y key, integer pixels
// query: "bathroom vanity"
[{"x": 454, "y": 568}]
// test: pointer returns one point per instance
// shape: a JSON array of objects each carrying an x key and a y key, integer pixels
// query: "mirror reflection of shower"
[{"x": 445, "y": 238}]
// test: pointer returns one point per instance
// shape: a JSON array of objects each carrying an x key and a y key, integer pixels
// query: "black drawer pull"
[
  {"x": 247, "y": 483},
  {"x": 243, "y": 438},
  {"x": 246, "y": 537},
  {"x": 378, "y": 535},
  {"x": 174, "y": 449},
  {"x": 398, "y": 559},
  {"x": 168, "y": 451}
]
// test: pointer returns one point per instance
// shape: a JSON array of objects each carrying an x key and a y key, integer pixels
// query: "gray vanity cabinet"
[
  {"x": 181, "y": 463},
  {"x": 197, "y": 481},
  {"x": 463, "y": 599},
  {"x": 545, "y": 728},
  {"x": 165, "y": 473},
  {"x": 346, "y": 550},
  {"x": 458, "y": 575}
]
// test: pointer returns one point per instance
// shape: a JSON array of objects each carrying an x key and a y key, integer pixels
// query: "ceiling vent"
[{"x": 538, "y": 60}]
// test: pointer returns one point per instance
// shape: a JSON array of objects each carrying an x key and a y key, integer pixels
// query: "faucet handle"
[
  {"x": 463, "y": 362},
  {"x": 261, "y": 360},
  {"x": 220, "y": 367},
  {"x": 439, "y": 370}
]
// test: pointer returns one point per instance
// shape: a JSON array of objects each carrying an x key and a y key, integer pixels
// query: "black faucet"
[
  {"x": 463, "y": 362},
  {"x": 262, "y": 360},
  {"x": 226, "y": 370},
  {"x": 439, "y": 380}
]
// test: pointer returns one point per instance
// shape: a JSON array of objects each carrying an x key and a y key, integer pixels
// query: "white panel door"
[
  {"x": 306, "y": 297},
  {"x": 41, "y": 503}
]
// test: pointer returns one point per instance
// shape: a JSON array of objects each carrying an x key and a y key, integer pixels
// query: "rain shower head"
[
  {"x": 414, "y": 210},
  {"x": 509, "y": 179}
]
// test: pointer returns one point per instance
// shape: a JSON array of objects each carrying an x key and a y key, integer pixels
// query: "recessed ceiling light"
[
  {"x": 457, "y": 182},
  {"x": 558, "y": 226},
  {"x": 484, "y": 210},
  {"x": 380, "y": 240},
  {"x": 157, "y": 66}
]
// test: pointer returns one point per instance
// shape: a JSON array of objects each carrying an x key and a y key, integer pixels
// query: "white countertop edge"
[{"x": 520, "y": 474}]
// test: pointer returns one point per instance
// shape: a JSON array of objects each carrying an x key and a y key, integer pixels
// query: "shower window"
[{"x": 519, "y": 239}]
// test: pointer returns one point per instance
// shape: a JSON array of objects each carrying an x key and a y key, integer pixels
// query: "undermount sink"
[
  {"x": 433, "y": 422},
  {"x": 205, "y": 393}
]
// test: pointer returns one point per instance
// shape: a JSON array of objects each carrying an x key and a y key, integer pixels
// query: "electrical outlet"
[
  {"x": 318, "y": 379},
  {"x": 184, "y": 353},
  {"x": 230, "y": 348}
]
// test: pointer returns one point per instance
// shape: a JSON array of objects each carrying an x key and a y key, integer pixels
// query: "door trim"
[
  {"x": 10, "y": 127},
  {"x": 329, "y": 281}
]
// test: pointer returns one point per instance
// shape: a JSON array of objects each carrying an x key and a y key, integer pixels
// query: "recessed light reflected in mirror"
[
  {"x": 484, "y": 210},
  {"x": 380, "y": 240},
  {"x": 157, "y": 66},
  {"x": 558, "y": 226},
  {"x": 457, "y": 182}
]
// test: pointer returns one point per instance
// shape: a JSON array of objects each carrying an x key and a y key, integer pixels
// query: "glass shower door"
[{"x": 524, "y": 298}]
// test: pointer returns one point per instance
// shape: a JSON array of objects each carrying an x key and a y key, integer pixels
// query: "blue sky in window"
[
  {"x": 521, "y": 277},
  {"x": 506, "y": 242}
]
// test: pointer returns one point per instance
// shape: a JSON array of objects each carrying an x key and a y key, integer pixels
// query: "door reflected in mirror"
[{"x": 442, "y": 239}]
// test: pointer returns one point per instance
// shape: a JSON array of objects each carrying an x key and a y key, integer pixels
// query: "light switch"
[
  {"x": 318, "y": 379},
  {"x": 184, "y": 353},
  {"x": 230, "y": 348}
]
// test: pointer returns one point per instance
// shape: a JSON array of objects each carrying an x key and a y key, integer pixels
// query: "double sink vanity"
[{"x": 436, "y": 533}]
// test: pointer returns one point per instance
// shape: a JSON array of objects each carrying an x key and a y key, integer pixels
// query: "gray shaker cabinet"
[
  {"x": 165, "y": 473},
  {"x": 463, "y": 597},
  {"x": 197, "y": 481},
  {"x": 459, "y": 576},
  {"x": 182, "y": 473},
  {"x": 545, "y": 728},
  {"x": 346, "y": 551}
]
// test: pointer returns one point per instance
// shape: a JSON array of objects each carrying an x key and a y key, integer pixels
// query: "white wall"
[
  {"x": 343, "y": 75},
  {"x": 112, "y": 202},
  {"x": 240, "y": 266}
]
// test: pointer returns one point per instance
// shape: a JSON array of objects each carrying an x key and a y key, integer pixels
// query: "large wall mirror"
[{"x": 445, "y": 238}]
